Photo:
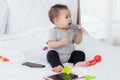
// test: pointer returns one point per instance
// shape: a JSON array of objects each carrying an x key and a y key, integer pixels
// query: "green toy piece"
[
  {"x": 67, "y": 77},
  {"x": 89, "y": 77},
  {"x": 66, "y": 70}
]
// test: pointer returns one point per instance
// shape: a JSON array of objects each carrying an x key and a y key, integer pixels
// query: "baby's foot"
[
  {"x": 58, "y": 68},
  {"x": 81, "y": 64}
]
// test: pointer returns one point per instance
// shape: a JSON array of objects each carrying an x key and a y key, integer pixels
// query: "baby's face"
[{"x": 64, "y": 18}]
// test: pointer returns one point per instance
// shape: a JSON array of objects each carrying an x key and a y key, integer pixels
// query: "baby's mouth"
[{"x": 69, "y": 23}]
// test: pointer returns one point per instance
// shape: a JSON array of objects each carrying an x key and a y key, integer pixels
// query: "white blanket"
[{"x": 28, "y": 46}]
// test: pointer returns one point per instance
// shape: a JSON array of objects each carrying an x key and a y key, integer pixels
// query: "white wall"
[
  {"x": 101, "y": 18},
  {"x": 116, "y": 21}
]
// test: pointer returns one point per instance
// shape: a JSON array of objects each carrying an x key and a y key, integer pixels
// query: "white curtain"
[{"x": 101, "y": 18}]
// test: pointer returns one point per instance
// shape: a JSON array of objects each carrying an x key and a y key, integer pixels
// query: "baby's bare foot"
[
  {"x": 58, "y": 68},
  {"x": 81, "y": 64}
]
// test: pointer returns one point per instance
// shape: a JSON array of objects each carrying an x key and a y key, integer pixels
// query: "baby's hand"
[
  {"x": 65, "y": 41},
  {"x": 80, "y": 28}
]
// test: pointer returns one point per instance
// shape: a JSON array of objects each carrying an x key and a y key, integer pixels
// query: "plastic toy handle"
[
  {"x": 89, "y": 77},
  {"x": 96, "y": 59}
]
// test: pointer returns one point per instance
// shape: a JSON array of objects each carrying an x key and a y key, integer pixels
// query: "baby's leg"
[
  {"x": 81, "y": 64},
  {"x": 53, "y": 59},
  {"x": 78, "y": 59}
]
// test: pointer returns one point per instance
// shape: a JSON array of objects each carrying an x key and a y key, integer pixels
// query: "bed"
[{"x": 26, "y": 36}]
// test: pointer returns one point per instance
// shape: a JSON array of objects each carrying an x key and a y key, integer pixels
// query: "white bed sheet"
[{"x": 27, "y": 46}]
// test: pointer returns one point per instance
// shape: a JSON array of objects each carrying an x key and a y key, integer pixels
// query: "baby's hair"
[{"x": 54, "y": 11}]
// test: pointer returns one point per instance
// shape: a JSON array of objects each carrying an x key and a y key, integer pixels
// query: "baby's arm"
[
  {"x": 78, "y": 37},
  {"x": 58, "y": 44}
]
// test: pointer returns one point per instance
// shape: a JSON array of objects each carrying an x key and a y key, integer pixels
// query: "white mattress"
[{"x": 27, "y": 46}]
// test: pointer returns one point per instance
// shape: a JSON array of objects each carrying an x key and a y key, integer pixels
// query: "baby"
[{"x": 62, "y": 38}]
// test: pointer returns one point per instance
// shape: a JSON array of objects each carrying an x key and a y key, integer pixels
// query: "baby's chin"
[{"x": 69, "y": 24}]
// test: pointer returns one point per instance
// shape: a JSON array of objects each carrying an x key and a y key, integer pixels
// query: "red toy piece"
[
  {"x": 92, "y": 62},
  {"x": 3, "y": 59},
  {"x": 0, "y": 56},
  {"x": 96, "y": 59}
]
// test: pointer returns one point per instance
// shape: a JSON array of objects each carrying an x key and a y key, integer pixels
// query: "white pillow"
[
  {"x": 3, "y": 15},
  {"x": 27, "y": 14}
]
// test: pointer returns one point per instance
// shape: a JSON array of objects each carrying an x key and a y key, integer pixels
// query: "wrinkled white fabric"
[{"x": 3, "y": 15}]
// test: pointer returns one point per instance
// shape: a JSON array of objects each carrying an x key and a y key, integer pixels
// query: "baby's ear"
[{"x": 56, "y": 20}]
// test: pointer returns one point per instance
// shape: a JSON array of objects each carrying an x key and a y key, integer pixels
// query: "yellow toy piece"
[
  {"x": 66, "y": 70},
  {"x": 1, "y": 60}
]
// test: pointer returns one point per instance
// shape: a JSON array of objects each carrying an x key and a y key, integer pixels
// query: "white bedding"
[
  {"x": 3, "y": 15},
  {"x": 27, "y": 46}
]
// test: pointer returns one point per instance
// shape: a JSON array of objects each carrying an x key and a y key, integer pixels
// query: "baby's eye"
[{"x": 68, "y": 17}]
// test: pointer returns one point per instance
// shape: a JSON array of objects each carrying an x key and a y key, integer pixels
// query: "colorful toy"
[
  {"x": 89, "y": 77},
  {"x": 67, "y": 77},
  {"x": 2, "y": 59},
  {"x": 96, "y": 59},
  {"x": 66, "y": 70},
  {"x": 92, "y": 62},
  {"x": 45, "y": 48},
  {"x": 86, "y": 77}
]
